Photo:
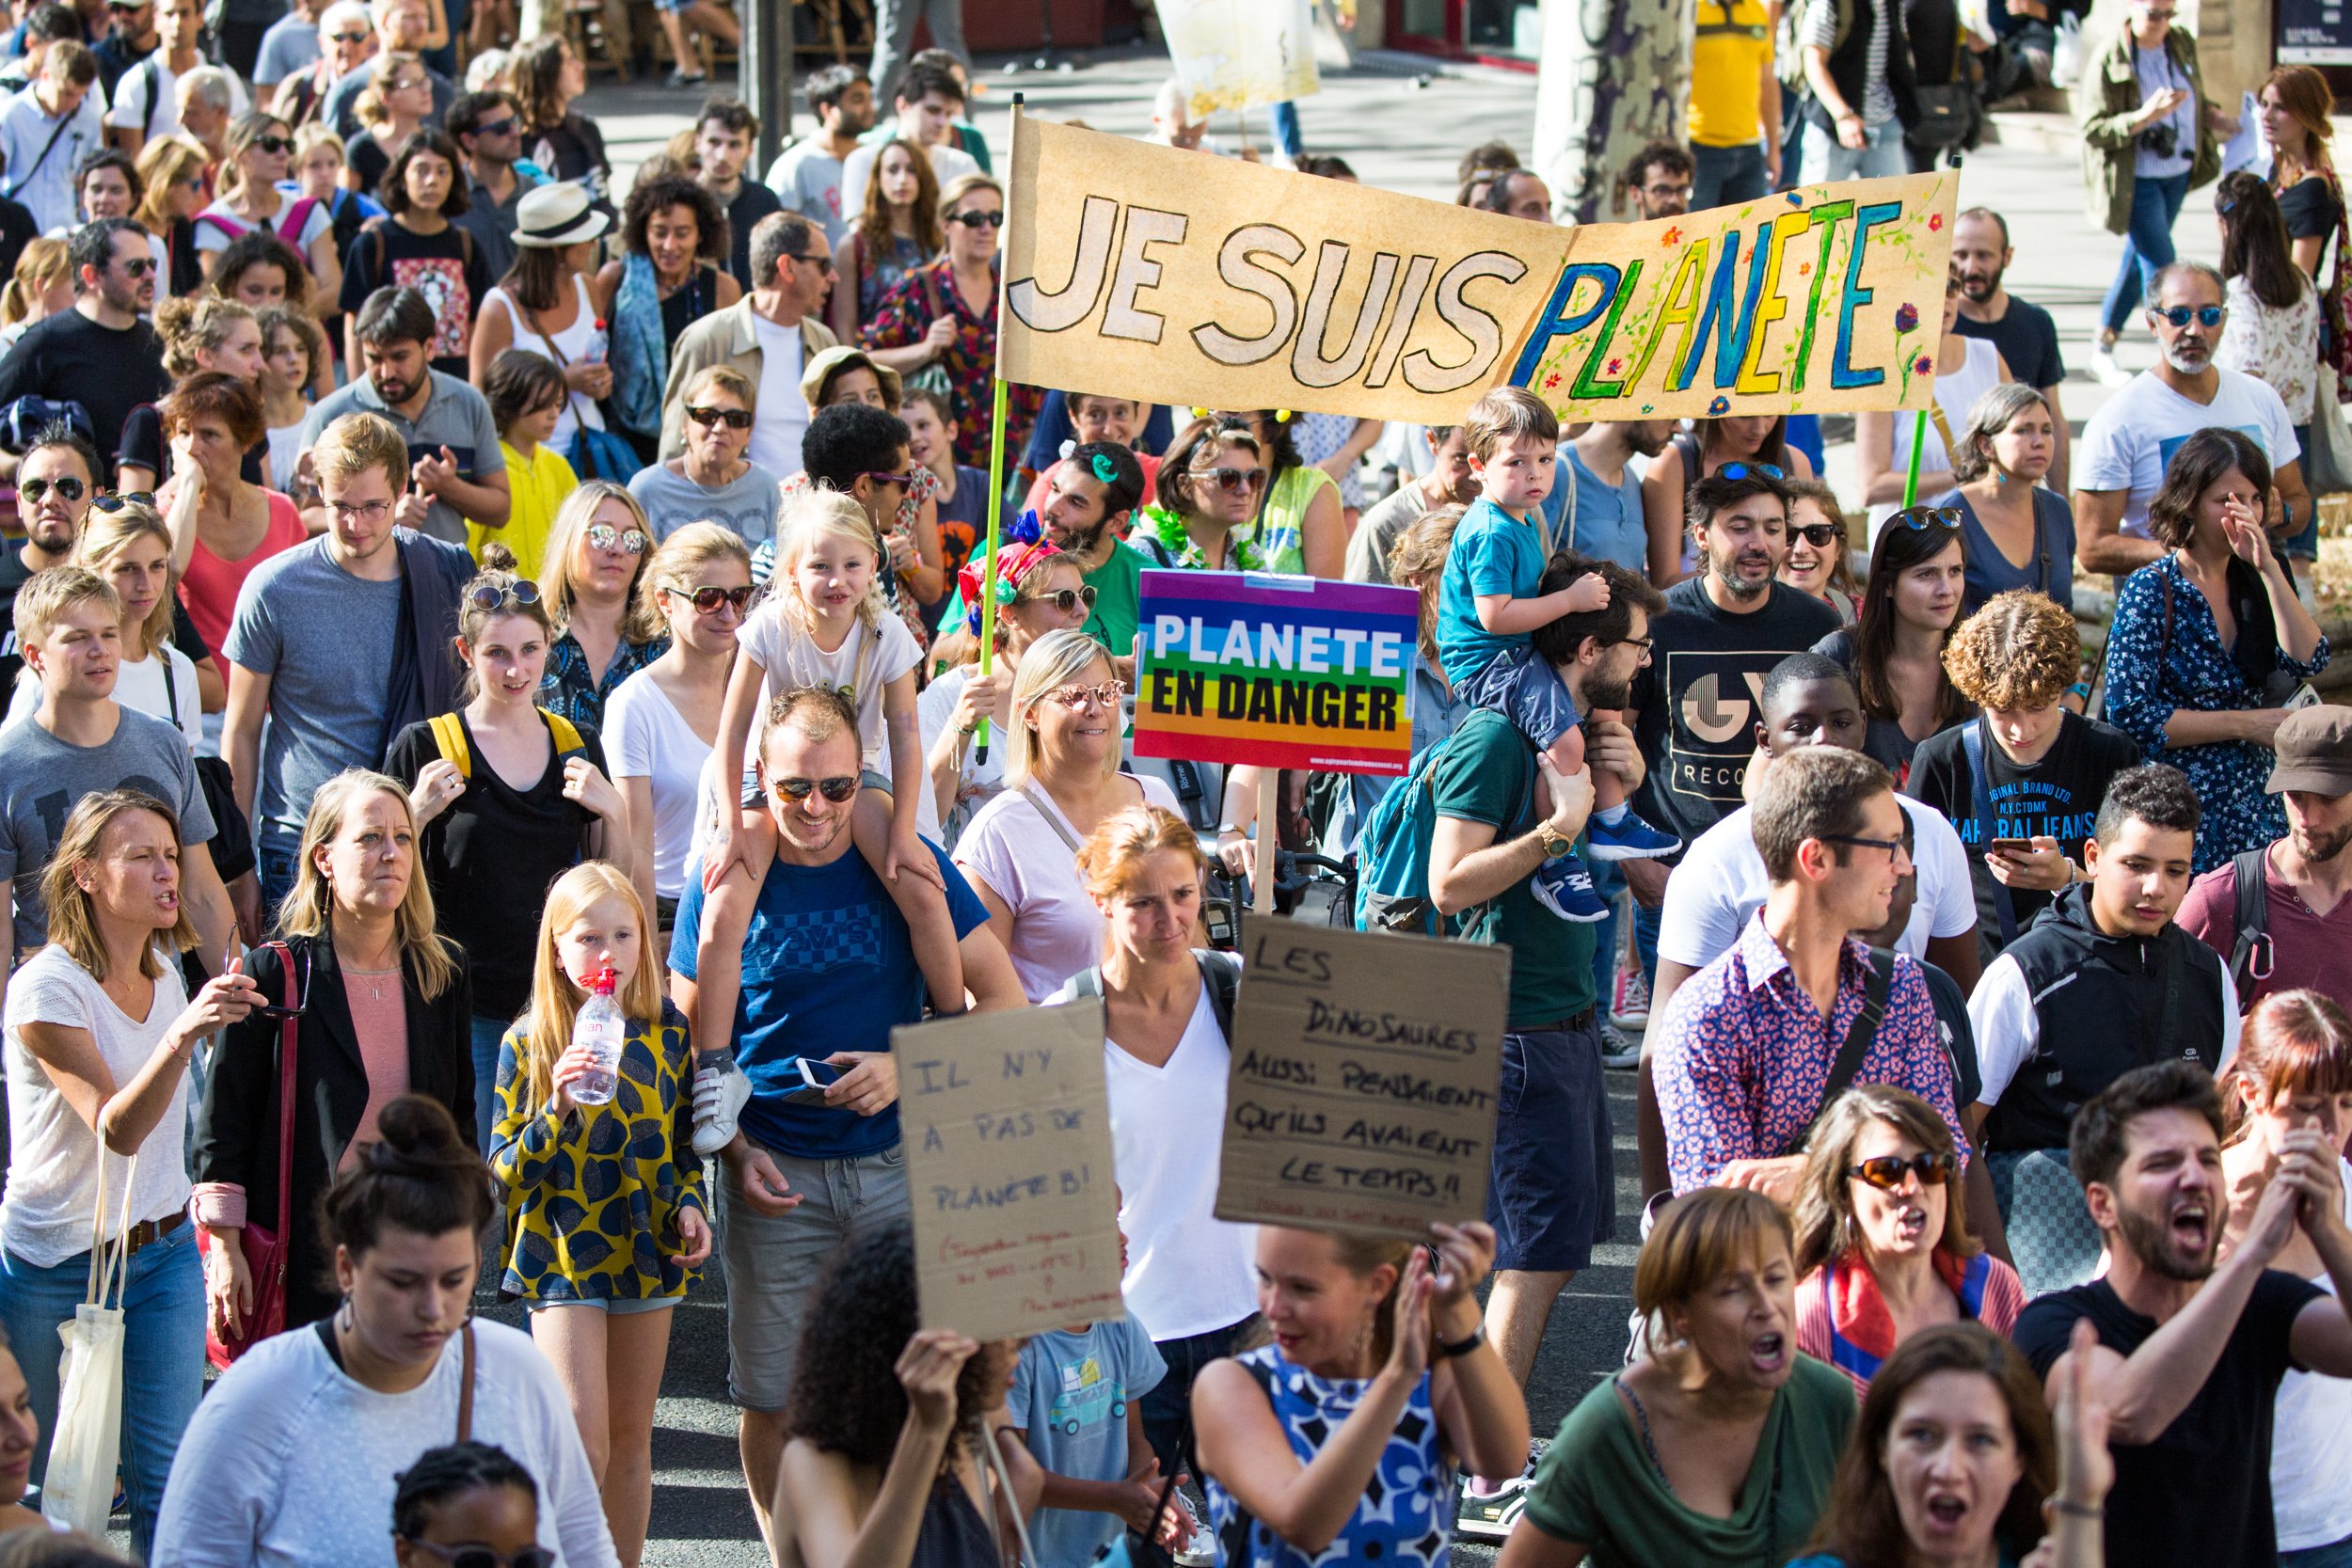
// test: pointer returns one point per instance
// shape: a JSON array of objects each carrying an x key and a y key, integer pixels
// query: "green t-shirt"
[
  {"x": 1117, "y": 585},
  {"x": 1484, "y": 777},
  {"x": 1596, "y": 1484}
]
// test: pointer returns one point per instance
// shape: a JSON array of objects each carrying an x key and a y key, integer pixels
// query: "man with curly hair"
[{"x": 2023, "y": 781}]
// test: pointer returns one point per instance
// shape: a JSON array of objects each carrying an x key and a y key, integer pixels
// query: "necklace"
[{"x": 377, "y": 981}]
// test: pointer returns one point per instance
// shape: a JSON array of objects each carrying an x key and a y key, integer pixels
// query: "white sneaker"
[
  {"x": 720, "y": 1095},
  {"x": 2103, "y": 365}
]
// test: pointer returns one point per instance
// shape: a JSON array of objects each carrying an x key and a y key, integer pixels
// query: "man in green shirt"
[{"x": 1087, "y": 503}]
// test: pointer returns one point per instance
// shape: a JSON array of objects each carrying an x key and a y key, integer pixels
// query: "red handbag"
[{"x": 265, "y": 1250}]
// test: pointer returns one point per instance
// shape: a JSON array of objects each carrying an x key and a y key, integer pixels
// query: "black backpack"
[{"x": 2252, "y": 946}]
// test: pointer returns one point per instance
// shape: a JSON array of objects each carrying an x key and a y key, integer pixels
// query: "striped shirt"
[{"x": 1820, "y": 32}]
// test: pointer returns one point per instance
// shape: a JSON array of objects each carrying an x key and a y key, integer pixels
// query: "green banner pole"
[
  {"x": 996, "y": 464},
  {"x": 1910, "y": 474}
]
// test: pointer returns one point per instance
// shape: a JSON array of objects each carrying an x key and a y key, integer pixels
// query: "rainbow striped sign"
[{"x": 1282, "y": 672}]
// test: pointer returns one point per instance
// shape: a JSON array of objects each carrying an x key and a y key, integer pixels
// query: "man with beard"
[
  {"x": 456, "y": 466},
  {"x": 101, "y": 354},
  {"x": 54, "y": 481},
  {"x": 1658, "y": 180},
  {"x": 1087, "y": 501},
  {"x": 825, "y": 972},
  {"x": 807, "y": 174},
  {"x": 2024, "y": 333},
  {"x": 1519, "y": 194},
  {"x": 2103, "y": 983},
  {"x": 2133, "y": 435},
  {"x": 2303, "y": 914},
  {"x": 1552, "y": 1193},
  {"x": 2187, "y": 1357},
  {"x": 1448, "y": 482}
]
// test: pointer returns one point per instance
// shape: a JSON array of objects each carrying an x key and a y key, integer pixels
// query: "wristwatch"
[
  {"x": 1556, "y": 842},
  {"x": 1447, "y": 1352}
]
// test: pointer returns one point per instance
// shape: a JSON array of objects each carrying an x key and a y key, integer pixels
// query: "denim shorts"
[
  {"x": 613, "y": 1308},
  {"x": 1523, "y": 688}
]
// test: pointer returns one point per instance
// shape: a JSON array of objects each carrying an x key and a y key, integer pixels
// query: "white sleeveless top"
[
  {"x": 581, "y": 342},
  {"x": 1957, "y": 390}
]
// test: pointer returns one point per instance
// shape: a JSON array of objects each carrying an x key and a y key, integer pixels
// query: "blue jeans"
[
  {"x": 163, "y": 1356},
  {"x": 487, "y": 1031},
  {"x": 1725, "y": 175},
  {"x": 2147, "y": 245},
  {"x": 274, "y": 869},
  {"x": 1609, "y": 882},
  {"x": 2337, "y": 1555},
  {"x": 1882, "y": 156},
  {"x": 1168, "y": 1408},
  {"x": 1645, "y": 923},
  {"x": 1288, "y": 138}
]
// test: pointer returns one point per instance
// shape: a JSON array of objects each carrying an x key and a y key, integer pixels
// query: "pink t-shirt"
[
  {"x": 379, "y": 1016},
  {"x": 209, "y": 586}
]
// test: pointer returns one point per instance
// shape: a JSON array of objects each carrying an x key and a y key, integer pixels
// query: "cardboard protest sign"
[
  {"x": 1240, "y": 53},
  {"x": 1286, "y": 672},
  {"x": 1362, "y": 1095},
  {"x": 1185, "y": 278},
  {"x": 1008, "y": 1138}
]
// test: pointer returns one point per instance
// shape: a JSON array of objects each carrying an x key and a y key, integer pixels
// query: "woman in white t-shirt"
[
  {"x": 99, "y": 1035},
  {"x": 294, "y": 1456},
  {"x": 1168, "y": 1010},
  {"x": 254, "y": 158},
  {"x": 1039, "y": 590},
  {"x": 661, "y": 723},
  {"x": 1966, "y": 368},
  {"x": 129, "y": 546},
  {"x": 1062, "y": 748}
]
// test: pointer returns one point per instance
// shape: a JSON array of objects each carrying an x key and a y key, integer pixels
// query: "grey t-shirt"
[
  {"x": 290, "y": 45},
  {"x": 671, "y": 500},
  {"x": 42, "y": 777},
  {"x": 808, "y": 180},
  {"x": 325, "y": 638},
  {"x": 454, "y": 416}
]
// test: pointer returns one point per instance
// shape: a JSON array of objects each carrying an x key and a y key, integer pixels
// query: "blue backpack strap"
[{"x": 1980, "y": 792}]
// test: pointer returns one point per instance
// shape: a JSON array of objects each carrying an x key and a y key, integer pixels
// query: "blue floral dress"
[
  {"x": 1406, "y": 1516},
  {"x": 2154, "y": 670}
]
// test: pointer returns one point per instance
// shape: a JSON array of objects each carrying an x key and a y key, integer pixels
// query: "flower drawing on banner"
[
  {"x": 1671, "y": 236},
  {"x": 1551, "y": 381},
  {"x": 1923, "y": 364},
  {"x": 1720, "y": 405},
  {"x": 1906, "y": 318},
  {"x": 1615, "y": 366},
  {"x": 1935, "y": 223}
]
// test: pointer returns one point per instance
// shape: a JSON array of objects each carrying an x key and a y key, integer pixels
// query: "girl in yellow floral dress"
[{"x": 605, "y": 1213}]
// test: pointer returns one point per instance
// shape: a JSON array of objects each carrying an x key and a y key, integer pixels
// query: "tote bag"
[{"x": 79, "y": 1487}]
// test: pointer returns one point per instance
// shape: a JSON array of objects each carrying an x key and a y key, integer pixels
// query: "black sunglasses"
[
  {"x": 494, "y": 127},
  {"x": 1887, "y": 1171},
  {"x": 140, "y": 267},
  {"x": 1819, "y": 535},
  {"x": 708, "y": 598},
  {"x": 823, "y": 263},
  {"x": 274, "y": 144},
  {"x": 734, "y": 418},
  {"x": 835, "y": 790},
  {"x": 980, "y": 220},
  {"x": 66, "y": 485},
  {"x": 489, "y": 595},
  {"x": 301, "y": 1000},
  {"x": 346, "y": 38},
  {"x": 111, "y": 504}
]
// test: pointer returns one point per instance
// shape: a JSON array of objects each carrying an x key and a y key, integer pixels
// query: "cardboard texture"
[
  {"x": 1241, "y": 54},
  {"x": 1363, "y": 1092},
  {"x": 1186, "y": 279},
  {"x": 1007, "y": 1131}
]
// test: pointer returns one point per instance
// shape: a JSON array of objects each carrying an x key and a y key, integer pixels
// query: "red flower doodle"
[
  {"x": 1924, "y": 365},
  {"x": 1551, "y": 381},
  {"x": 1671, "y": 236},
  {"x": 1935, "y": 222}
]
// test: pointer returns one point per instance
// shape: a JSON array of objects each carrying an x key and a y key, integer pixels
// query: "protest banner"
[
  {"x": 1008, "y": 1136},
  {"x": 1362, "y": 1091},
  {"x": 1195, "y": 280},
  {"x": 1240, "y": 53}
]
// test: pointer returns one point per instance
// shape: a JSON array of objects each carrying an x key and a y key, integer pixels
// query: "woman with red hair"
[{"x": 2295, "y": 103}]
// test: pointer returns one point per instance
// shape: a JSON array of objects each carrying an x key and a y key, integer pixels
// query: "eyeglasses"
[
  {"x": 1067, "y": 600},
  {"x": 495, "y": 127},
  {"x": 1076, "y": 697},
  {"x": 980, "y": 220},
  {"x": 1929, "y": 516},
  {"x": 879, "y": 477},
  {"x": 835, "y": 790},
  {"x": 1892, "y": 846},
  {"x": 734, "y": 418},
  {"x": 481, "y": 1557},
  {"x": 366, "y": 511},
  {"x": 140, "y": 267},
  {"x": 823, "y": 263},
  {"x": 2207, "y": 315},
  {"x": 301, "y": 1000},
  {"x": 68, "y": 488},
  {"x": 604, "y": 536},
  {"x": 708, "y": 598},
  {"x": 109, "y": 504},
  {"x": 1741, "y": 470},
  {"x": 489, "y": 595},
  {"x": 1235, "y": 481},
  {"x": 1887, "y": 1171},
  {"x": 274, "y": 144},
  {"x": 1819, "y": 535},
  {"x": 1631, "y": 642}
]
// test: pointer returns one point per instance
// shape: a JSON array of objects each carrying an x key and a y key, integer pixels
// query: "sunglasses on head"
[
  {"x": 980, "y": 220},
  {"x": 481, "y": 1557},
  {"x": 68, "y": 488},
  {"x": 116, "y": 504},
  {"x": 1819, "y": 535},
  {"x": 1741, "y": 470},
  {"x": 734, "y": 418},
  {"x": 1067, "y": 600},
  {"x": 835, "y": 790},
  {"x": 1076, "y": 697},
  {"x": 1887, "y": 1171},
  {"x": 604, "y": 536},
  {"x": 1234, "y": 481},
  {"x": 2179, "y": 315},
  {"x": 708, "y": 598},
  {"x": 489, "y": 595},
  {"x": 1929, "y": 516}
]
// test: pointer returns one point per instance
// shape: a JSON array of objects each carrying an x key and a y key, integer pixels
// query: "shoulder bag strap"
[
  {"x": 1222, "y": 974},
  {"x": 286, "y": 1053},
  {"x": 1859, "y": 1035},
  {"x": 465, "y": 1391},
  {"x": 46, "y": 148},
  {"x": 1028, "y": 793},
  {"x": 2249, "y": 955},
  {"x": 1981, "y": 790},
  {"x": 2175, "y": 961},
  {"x": 171, "y": 686}
]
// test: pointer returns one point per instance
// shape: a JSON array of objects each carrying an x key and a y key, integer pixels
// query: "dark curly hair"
[
  {"x": 452, "y": 1471},
  {"x": 846, "y": 1394},
  {"x": 674, "y": 190},
  {"x": 258, "y": 247},
  {"x": 2199, "y": 464}
]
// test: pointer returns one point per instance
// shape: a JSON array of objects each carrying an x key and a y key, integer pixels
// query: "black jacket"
[
  {"x": 236, "y": 1134},
  {"x": 1849, "y": 65},
  {"x": 2101, "y": 1009},
  {"x": 425, "y": 677}
]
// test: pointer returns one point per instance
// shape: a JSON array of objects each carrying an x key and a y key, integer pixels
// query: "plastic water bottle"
[{"x": 601, "y": 1028}]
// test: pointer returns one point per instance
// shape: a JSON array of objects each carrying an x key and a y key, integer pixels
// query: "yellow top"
[
  {"x": 538, "y": 484},
  {"x": 1728, "y": 61}
]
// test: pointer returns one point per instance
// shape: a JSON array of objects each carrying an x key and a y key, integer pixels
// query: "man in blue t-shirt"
[{"x": 824, "y": 972}]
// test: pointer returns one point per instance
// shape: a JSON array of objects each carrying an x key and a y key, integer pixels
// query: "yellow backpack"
[{"x": 449, "y": 739}]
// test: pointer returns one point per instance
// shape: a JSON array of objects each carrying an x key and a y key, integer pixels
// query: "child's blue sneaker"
[
  {"x": 1628, "y": 839},
  {"x": 1565, "y": 887}
]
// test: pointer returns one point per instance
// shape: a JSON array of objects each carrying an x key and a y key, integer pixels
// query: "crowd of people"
[{"x": 470, "y": 606}]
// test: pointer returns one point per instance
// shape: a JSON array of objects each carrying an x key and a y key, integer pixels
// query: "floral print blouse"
[
  {"x": 2279, "y": 348},
  {"x": 905, "y": 316},
  {"x": 571, "y": 689}
]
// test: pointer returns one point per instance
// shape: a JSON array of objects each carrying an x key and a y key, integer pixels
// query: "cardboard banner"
[
  {"x": 1008, "y": 1136},
  {"x": 1362, "y": 1091},
  {"x": 1186, "y": 279},
  {"x": 1241, "y": 54},
  {"x": 1285, "y": 672}
]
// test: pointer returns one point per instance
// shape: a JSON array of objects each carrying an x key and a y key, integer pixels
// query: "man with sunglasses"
[
  {"x": 401, "y": 26},
  {"x": 488, "y": 129},
  {"x": 2130, "y": 440},
  {"x": 55, "y": 483},
  {"x": 768, "y": 336},
  {"x": 101, "y": 354},
  {"x": 1089, "y": 498},
  {"x": 1748, "y": 1049},
  {"x": 823, "y": 975},
  {"x": 131, "y": 37},
  {"x": 2104, "y": 982}
]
